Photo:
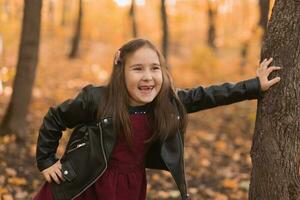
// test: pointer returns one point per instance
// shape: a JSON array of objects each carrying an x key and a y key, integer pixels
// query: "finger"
[
  {"x": 59, "y": 165},
  {"x": 55, "y": 178},
  {"x": 60, "y": 175},
  {"x": 274, "y": 81},
  {"x": 262, "y": 62},
  {"x": 47, "y": 177},
  {"x": 268, "y": 62},
  {"x": 272, "y": 68}
]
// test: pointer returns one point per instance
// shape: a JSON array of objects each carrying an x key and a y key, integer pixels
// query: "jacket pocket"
[
  {"x": 76, "y": 146},
  {"x": 68, "y": 171},
  {"x": 77, "y": 143}
]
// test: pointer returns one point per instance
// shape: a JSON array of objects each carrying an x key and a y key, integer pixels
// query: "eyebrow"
[
  {"x": 156, "y": 64},
  {"x": 139, "y": 64}
]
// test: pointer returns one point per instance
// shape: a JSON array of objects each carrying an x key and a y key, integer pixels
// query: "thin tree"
[
  {"x": 264, "y": 7},
  {"x": 14, "y": 120},
  {"x": 165, "y": 36},
  {"x": 211, "y": 14},
  {"x": 2, "y": 57},
  {"x": 51, "y": 16},
  {"x": 2, "y": 61},
  {"x": 77, "y": 34},
  {"x": 246, "y": 40},
  {"x": 6, "y": 8},
  {"x": 65, "y": 9},
  {"x": 133, "y": 18},
  {"x": 275, "y": 151}
]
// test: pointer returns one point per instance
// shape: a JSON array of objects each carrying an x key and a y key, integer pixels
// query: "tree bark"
[
  {"x": 133, "y": 18},
  {"x": 14, "y": 120},
  {"x": 165, "y": 37},
  {"x": 77, "y": 35},
  {"x": 275, "y": 150}
]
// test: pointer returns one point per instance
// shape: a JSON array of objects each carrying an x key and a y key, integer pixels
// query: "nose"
[{"x": 147, "y": 75}]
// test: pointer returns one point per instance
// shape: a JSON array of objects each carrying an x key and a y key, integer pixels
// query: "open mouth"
[{"x": 145, "y": 88}]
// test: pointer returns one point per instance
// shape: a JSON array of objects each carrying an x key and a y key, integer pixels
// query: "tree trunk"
[
  {"x": 14, "y": 120},
  {"x": 65, "y": 8},
  {"x": 246, "y": 39},
  {"x": 2, "y": 62},
  {"x": 6, "y": 8},
  {"x": 165, "y": 37},
  {"x": 51, "y": 16},
  {"x": 244, "y": 54},
  {"x": 77, "y": 34},
  {"x": 264, "y": 6},
  {"x": 275, "y": 151},
  {"x": 211, "y": 35},
  {"x": 1, "y": 50},
  {"x": 132, "y": 15}
]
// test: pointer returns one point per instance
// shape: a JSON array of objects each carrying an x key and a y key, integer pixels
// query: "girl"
[{"x": 137, "y": 121}]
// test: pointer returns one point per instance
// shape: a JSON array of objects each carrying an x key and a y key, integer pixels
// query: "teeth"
[{"x": 146, "y": 87}]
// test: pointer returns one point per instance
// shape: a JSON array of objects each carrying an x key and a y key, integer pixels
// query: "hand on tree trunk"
[{"x": 264, "y": 71}]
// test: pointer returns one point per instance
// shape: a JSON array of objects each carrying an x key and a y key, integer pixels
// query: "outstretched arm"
[{"x": 201, "y": 98}]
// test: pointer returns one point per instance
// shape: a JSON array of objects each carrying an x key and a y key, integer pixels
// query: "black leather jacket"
[{"x": 91, "y": 143}]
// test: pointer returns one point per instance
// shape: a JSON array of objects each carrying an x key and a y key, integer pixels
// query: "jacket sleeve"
[
  {"x": 201, "y": 98},
  {"x": 66, "y": 115}
]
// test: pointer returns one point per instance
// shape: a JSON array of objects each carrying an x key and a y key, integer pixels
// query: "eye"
[
  {"x": 156, "y": 67},
  {"x": 137, "y": 68}
]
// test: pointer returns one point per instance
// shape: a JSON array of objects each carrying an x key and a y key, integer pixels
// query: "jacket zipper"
[
  {"x": 77, "y": 146},
  {"x": 77, "y": 140},
  {"x": 105, "y": 160}
]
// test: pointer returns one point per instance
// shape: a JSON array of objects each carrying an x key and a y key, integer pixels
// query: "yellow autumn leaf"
[
  {"x": 221, "y": 146},
  {"x": 220, "y": 196},
  {"x": 163, "y": 194},
  {"x": 7, "y": 197},
  {"x": 17, "y": 181},
  {"x": 204, "y": 162},
  {"x": 230, "y": 183},
  {"x": 155, "y": 177},
  {"x": 3, "y": 190}
]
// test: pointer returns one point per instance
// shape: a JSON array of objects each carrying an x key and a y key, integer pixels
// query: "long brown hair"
[{"x": 165, "y": 118}]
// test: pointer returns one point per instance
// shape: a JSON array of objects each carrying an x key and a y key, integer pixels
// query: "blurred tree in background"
[
  {"x": 264, "y": 7},
  {"x": 14, "y": 120},
  {"x": 165, "y": 28},
  {"x": 133, "y": 18},
  {"x": 211, "y": 14},
  {"x": 77, "y": 32}
]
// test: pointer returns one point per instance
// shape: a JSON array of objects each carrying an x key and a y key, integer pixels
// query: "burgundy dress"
[{"x": 125, "y": 176}]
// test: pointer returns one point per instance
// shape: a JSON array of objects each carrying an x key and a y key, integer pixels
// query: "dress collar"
[{"x": 139, "y": 109}]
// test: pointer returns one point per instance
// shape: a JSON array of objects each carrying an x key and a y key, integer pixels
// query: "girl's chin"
[
  {"x": 142, "y": 98},
  {"x": 141, "y": 101}
]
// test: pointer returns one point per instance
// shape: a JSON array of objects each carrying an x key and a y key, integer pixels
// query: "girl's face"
[{"x": 143, "y": 76}]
